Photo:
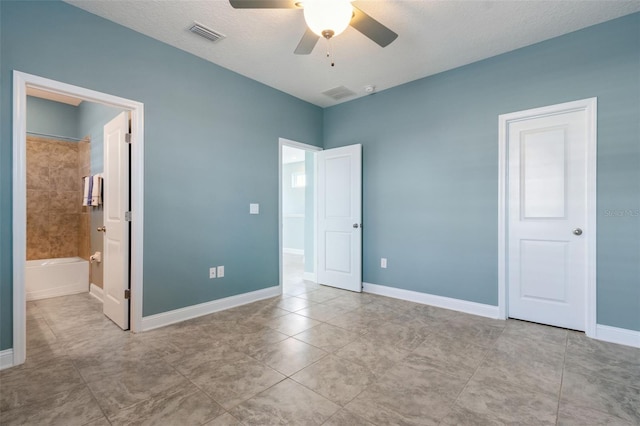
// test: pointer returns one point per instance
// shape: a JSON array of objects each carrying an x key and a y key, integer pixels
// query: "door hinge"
[
  {"x": 127, "y": 216},
  {"x": 127, "y": 294},
  {"x": 127, "y": 137}
]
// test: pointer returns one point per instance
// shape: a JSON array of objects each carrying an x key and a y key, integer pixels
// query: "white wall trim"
[
  {"x": 465, "y": 306},
  {"x": 6, "y": 359},
  {"x": 621, "y": 336},
  {"x": 96, "y": 292},
  {"x": 281, "y": 143},
  {"x": 178, "y": 315},
  {"x": 20, "y": 82},
  {"x": 287, "y": 250},
  {"x": 590, "y": 106},
  {"x": 310, "y": 276}
]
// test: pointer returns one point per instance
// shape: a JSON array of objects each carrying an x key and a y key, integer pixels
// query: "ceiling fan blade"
[
  {"x": 372, "y": 28},
  {"x": 307, "y": 43},
  {"x": 263, "y": 4}
]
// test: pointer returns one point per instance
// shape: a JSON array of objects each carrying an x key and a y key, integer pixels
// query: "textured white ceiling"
[{"x": 434, "y": 36}]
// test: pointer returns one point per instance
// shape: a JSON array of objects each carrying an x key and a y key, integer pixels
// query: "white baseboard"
[
  {"x": 474, "y": 308},
  {"x": 96, "y": 292},
  {"x": 621, "y": 336},
  {"x": 6, "y": 359},
  {"x": 178, "y": 315},
  {"x": 605, "y": 333},
  {"x": 310, "y": 276},
  {"x": 293, "y": 251}
]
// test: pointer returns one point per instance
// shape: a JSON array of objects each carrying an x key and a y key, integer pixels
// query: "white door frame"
[
  {"x": 20, "y": 83},
  {"x": 590, "y": 107},
  {"x": 299, "y": 145}
]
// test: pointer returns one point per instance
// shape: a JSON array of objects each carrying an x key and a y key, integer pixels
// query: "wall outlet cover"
[
  {"x": 254, "y": 208},
  {"x": 212, "y": 272}
]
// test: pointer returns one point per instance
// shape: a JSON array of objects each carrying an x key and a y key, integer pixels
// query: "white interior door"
[
  {"x": 339, "y": 232},
  {"x": 547, "y": 218},
  {"x": 116, "y": 235}
]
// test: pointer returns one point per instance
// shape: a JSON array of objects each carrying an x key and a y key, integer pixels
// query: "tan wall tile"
[
  {"x": 37, "y": 201},
  {"x": 37, "y": 236},
  {"x": 64, "y": 178},
  {"x": 65, "y": 202},
  {"x": 55, "y": 225}
]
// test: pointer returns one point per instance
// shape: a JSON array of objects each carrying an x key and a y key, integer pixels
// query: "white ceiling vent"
[
  {"x": 208, "y": 33},
  {"x": 338, "y": 93}
]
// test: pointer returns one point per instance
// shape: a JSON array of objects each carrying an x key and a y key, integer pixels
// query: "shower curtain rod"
[{"x": 55, "y": 136}]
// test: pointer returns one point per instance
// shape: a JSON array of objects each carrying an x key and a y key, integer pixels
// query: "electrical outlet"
[
  {"x": 212, "y": 272},
  {"x": 383, "y": 262},
  {"x": 220, "y": 271}
]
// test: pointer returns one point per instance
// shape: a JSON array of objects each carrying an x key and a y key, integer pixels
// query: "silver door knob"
[
  {"x": 577, "y": 231},
  {"x": 102, "y": 229},
  {"x": 355, "y": 225}
]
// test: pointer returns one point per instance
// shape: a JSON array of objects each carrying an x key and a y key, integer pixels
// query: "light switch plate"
[
  {"x": 212, "y": 272},
  {"x": 383, "y": 262},
  {"x": 220, "y": 271},
  {"x": 254, "y": 208}
]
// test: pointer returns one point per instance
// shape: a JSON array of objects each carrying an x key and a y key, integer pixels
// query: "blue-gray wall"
[
  {"x": 211, "y": 148},
  {"x": 431, "y": 165},
  {"x": 92, "y": 117},
  {"x": 52, "y": 118}
]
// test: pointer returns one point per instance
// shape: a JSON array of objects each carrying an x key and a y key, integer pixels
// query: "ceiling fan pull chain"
[{"x": 329, "y": 53}]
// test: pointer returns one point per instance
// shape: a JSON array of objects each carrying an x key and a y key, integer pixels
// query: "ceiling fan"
[{"x": 325, "y": 18}]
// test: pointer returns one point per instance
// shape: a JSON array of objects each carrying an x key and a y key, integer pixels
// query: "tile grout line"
[{"x": 564, "y": 364}]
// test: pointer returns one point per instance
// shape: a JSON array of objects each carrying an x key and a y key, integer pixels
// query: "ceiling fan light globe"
[{"x": 327, "y": 15}]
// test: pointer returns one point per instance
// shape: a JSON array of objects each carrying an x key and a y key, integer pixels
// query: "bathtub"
[{"x": 46, "y": 278}]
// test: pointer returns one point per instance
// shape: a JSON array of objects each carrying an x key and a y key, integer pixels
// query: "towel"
[
  {"x": 96, "y": 190},
  {"x": 86, "y": 194}
]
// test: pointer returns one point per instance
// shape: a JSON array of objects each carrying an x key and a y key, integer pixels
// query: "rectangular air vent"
[
  {"x": 338, "y": 93},
  {"x": 205, "y": 32}
]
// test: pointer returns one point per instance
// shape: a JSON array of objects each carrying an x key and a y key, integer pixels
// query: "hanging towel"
[
  {"x": 86, "y": 193},
  {"x": 96, "y": 190}
]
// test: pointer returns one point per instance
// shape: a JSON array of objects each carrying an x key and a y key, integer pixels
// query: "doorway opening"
[
  {"x": 297, "y": 216},
  {"x": 76, "y": 178}
]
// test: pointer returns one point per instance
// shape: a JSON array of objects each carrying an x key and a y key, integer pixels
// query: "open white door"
[
  {"x": 340, "y": 217},
  {"x": 116, "y": 234}
]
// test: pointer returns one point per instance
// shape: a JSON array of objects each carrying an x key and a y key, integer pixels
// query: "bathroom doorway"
[{"x": 76, "y": 222}]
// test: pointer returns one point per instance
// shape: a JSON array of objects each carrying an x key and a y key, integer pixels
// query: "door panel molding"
[{"x": 589, "y": 106}]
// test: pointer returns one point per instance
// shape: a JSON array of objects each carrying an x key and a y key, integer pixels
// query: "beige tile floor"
[{"x": 315, "y": 356}]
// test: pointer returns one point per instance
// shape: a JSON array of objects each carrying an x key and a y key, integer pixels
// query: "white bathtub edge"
[
  {"x": 56, "y": 292},
  {"x": 96, "y": 292}
]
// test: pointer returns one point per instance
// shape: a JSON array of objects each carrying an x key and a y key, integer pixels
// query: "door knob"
[
  {"x": 355, "y": 225},
  {"x": 102, "y": 229},
  {"x": 577, "y": 231}
]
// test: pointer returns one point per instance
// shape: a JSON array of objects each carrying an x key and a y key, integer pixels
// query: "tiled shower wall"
[{"x": 57, "y": 226}]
